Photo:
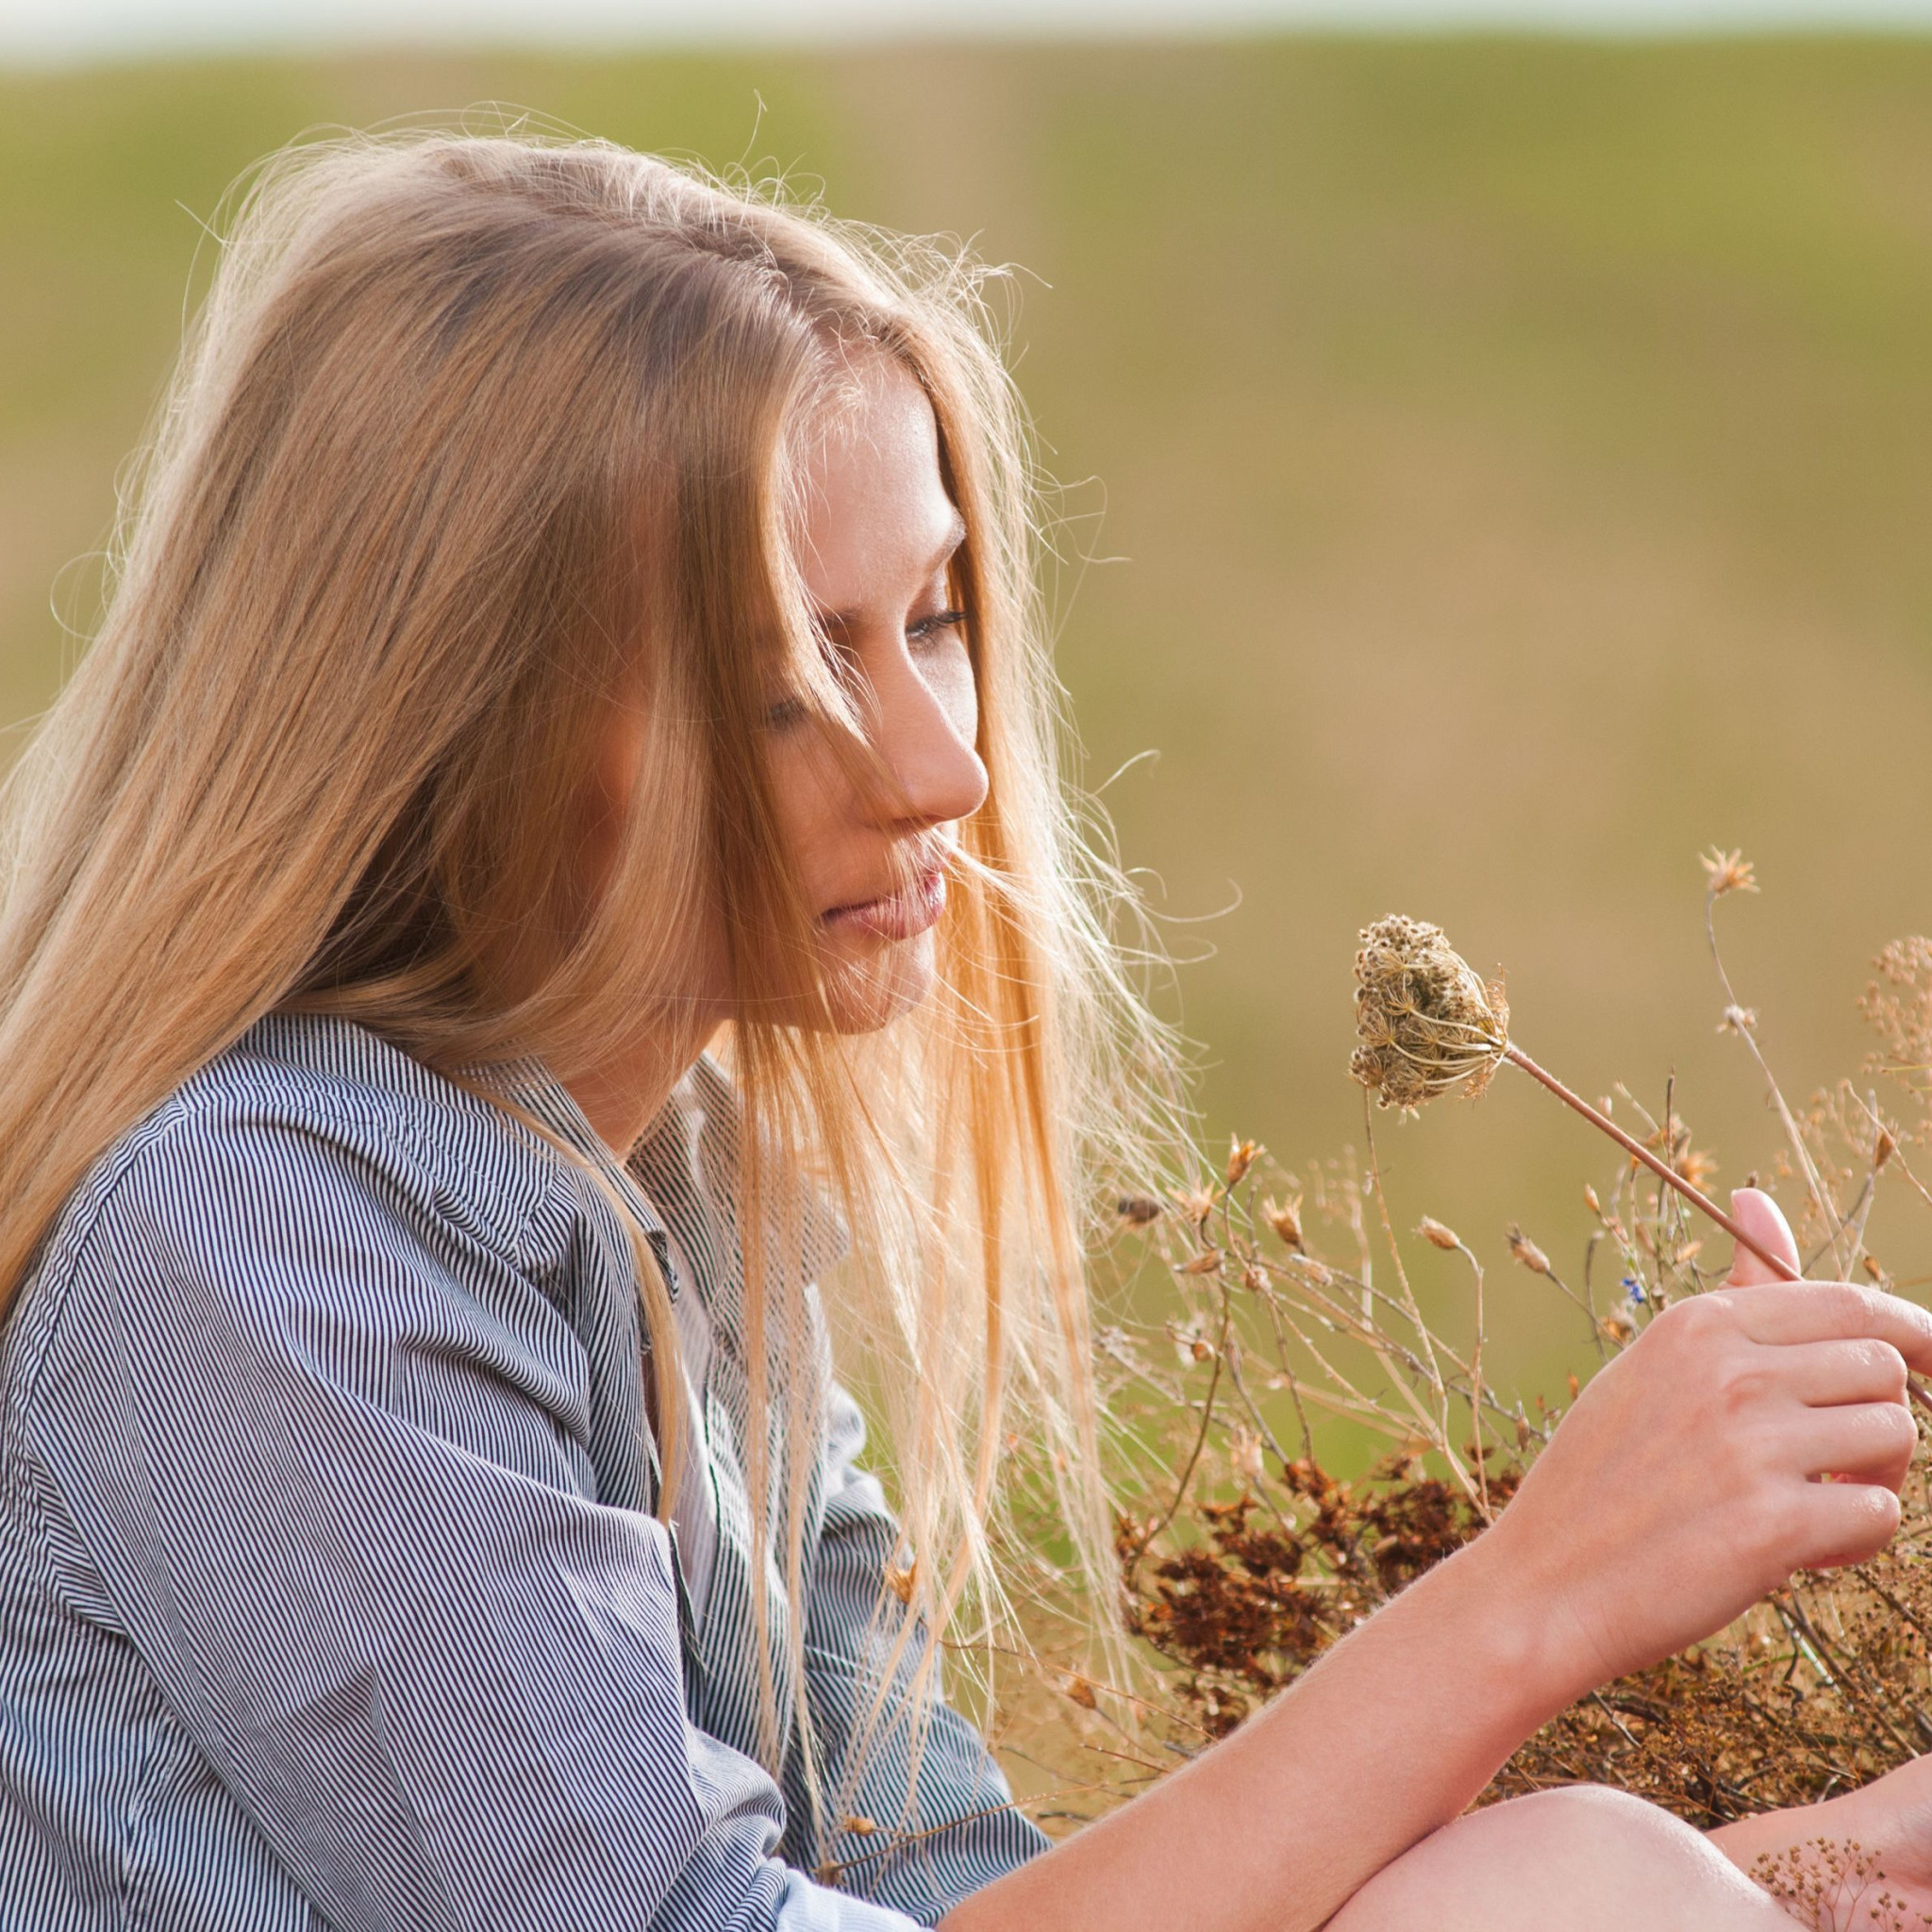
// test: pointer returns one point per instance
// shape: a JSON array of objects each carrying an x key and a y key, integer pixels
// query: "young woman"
[{"x": 555, "y": 841}]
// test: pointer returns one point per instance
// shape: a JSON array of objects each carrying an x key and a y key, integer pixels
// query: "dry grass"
[
  {"x": 1244, "y": 1559},
  {"x": 1832, "y": 1888}
]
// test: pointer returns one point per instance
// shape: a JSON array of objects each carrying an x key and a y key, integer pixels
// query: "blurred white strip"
[{"x": 64, "y": 30}]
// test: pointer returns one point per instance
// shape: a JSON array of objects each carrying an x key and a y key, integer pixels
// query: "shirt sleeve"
[
  {"x": 318, "y": 1435},
  {"x": 960, "y": 1830}
]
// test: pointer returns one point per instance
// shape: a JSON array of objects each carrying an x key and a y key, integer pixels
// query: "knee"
[
  {"x": 1577, "y": 1828},
  {"x": 1584, "y": 1857}
]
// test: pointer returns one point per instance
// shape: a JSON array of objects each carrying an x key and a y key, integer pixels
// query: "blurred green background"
[{"x": 1500, "y": 467}]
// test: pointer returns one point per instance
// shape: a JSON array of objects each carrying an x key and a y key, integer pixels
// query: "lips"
[{"x": 902, "y": 915}]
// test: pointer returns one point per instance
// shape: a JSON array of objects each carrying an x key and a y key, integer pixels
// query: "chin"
[{"x": 867, "y": 994}]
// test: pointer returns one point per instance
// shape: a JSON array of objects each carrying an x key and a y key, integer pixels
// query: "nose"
[{"x": 926, "y": 725}]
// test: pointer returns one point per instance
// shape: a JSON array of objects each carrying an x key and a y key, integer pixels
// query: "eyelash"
[
  {"x": 788, "y": 712},
  {"x": 940, "y": 620}
]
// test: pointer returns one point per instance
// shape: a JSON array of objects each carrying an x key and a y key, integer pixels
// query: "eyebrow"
[{"x": 956, "y": 536}]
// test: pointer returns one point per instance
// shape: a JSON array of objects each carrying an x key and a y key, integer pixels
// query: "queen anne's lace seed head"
[{"x": 1426, "y": 1021}]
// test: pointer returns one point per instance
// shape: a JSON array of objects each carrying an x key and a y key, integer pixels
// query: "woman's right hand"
[
  {"x": 1675, "y": 1493},
  {"x": 1750, "y": 1431}
]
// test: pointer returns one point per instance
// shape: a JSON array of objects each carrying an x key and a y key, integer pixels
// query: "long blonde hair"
[{"x": 472, "y": 436}]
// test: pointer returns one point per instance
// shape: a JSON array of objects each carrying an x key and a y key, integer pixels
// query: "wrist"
[{"x": 1516, "y": 1630}]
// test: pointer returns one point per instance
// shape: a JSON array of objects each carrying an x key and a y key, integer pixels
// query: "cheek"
[{"x": 808, "y": 786}]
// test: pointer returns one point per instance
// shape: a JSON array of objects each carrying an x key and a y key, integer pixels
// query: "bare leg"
[
  {"x": 1587, "y": 1859},
  {"x": 1890, "y": 1820}
]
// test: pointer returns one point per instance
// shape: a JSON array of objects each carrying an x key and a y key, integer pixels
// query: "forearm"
[
  {"x": 1677, "y": 1491},
  {"x": 1390, "y": 1736}
]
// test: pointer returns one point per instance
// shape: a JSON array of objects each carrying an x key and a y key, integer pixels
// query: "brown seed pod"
[
  {"x": 1285, "y": 1218},
  {"x": 1526, "y": 1251},
  {"x": 1426, "y": 1021}
]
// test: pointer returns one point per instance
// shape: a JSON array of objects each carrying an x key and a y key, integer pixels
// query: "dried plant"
[
  {"x": 1832, "y": 1888},
  {"x": 1428, "y": 1024},
  {"x": 1288, "y": 1298}
]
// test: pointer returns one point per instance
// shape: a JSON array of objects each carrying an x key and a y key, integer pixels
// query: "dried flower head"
[
  {"x": 1285, "y": 1218},
  {"x": 1244, "y": 1454},
  {"x": 1196, "y": 1204},
  {"x": 1241, "y": 1156},
  {"x": 1822, "y": 1884},
  {"x": 1191, "y": 1345},
  {"x": 1698, "y": 1165},
  {"x": 1426, "y": 1021},
  {"x": 1526, "y": 1251},
  {"x": 1137, "y": 1210},
  {"x": 1437, "y": 1235},
  {"x": 1898, "y": 1006},
  {"x": 1727, "y": 871}
]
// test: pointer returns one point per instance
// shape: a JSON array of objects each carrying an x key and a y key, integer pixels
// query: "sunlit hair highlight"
[{"x": 477, "y": 437}]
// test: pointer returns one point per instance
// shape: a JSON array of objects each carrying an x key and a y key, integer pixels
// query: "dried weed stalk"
[
  {"x": 1428, "y": 1024},
  {"x": 1287, "y": 1299},
  {"x": 1833, "y": 1887}
]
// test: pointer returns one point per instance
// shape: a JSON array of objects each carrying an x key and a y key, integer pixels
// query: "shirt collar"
[
  {"x": 704, "y": 1101},
  {"x": 532, "y": 1085}
]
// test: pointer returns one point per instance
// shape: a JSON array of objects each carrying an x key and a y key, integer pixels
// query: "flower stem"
[
  {"x": 1696, "y": 1196},
  {"x": 1664, "y": 1171}
]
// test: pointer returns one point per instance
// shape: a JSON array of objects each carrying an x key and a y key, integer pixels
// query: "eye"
[
  {"x": 936, "y": 625},
  {"x": 782, "y": 713}
]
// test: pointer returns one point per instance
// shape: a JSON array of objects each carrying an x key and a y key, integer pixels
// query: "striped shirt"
[{"x": 329, "y": 1593}]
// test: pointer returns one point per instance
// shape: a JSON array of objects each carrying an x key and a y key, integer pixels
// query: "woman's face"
[{"x": 877, "y": 535}]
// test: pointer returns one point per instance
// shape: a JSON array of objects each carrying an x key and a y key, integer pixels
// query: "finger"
[
  {"x": 1763, "y": 1219},
  {"x": 1839, "y": 1522},
  {"x": 1868, "y": 1441},
  {"x": 1822, "y": 1373},
  {"x": 1795, "y": 1311}
]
